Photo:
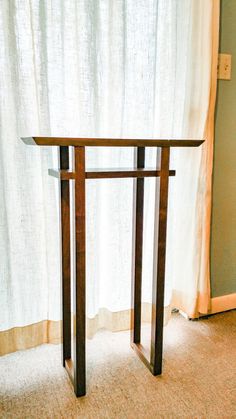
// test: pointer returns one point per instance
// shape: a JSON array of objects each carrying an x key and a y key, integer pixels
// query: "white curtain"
[{"x": 118, "y": 68}]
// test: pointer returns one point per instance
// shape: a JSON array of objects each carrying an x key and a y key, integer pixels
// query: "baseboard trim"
[{"x": 223, "y": 303}]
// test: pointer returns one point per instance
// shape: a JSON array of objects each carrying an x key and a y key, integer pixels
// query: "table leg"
[
  {"x": 65, "y": 258},
  {"x": 137, "y": 250},
  {"x": 79, "y": 286},
  {"x": 159, "y": 268}
]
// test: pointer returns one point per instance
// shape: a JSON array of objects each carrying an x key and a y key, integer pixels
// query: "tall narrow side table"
[{"x": 77, "y": 367}]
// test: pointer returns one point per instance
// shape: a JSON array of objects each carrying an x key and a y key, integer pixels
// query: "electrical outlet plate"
[{"x": 224, "y": 66}]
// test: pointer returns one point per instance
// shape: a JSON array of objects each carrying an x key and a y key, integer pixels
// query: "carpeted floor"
[{"x": 198, "y": 381}]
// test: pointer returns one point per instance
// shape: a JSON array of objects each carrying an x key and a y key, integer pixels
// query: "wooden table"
[{"x": 77, "y": 367}]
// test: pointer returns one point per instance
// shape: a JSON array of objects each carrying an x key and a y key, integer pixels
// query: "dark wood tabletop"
[{"x": 111, "y": 142}]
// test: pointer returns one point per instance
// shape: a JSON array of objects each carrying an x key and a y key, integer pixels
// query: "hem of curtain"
[
  {"x": 26, "y": 337},
  {"x": 50, "y": 331},
  {"x": 193, "y": 306},
  {"x": 116, "y": 321}
]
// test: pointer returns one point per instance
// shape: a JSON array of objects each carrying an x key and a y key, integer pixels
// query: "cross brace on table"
[{"x": 77, "y": 367}]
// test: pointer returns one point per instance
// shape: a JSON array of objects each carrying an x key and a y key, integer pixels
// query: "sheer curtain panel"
[{"x": 137, "y": 68}]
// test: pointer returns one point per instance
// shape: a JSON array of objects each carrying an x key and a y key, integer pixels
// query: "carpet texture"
[{"x": 198, "y": 381}]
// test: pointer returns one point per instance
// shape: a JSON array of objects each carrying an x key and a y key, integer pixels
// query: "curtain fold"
[
  {"x": 193, "y": 297},
  {"x": 103, "y": 68},
  {"x": 203, "y": 303}
]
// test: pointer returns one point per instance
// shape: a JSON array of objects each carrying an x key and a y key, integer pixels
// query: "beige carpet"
[{"x": 198, "y": 381}]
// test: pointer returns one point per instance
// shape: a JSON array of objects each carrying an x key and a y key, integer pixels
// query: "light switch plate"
[{"x": 224, "y": 66}]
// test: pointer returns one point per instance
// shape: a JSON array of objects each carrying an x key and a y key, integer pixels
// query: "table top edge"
[{"x": 111, "y": 142}]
